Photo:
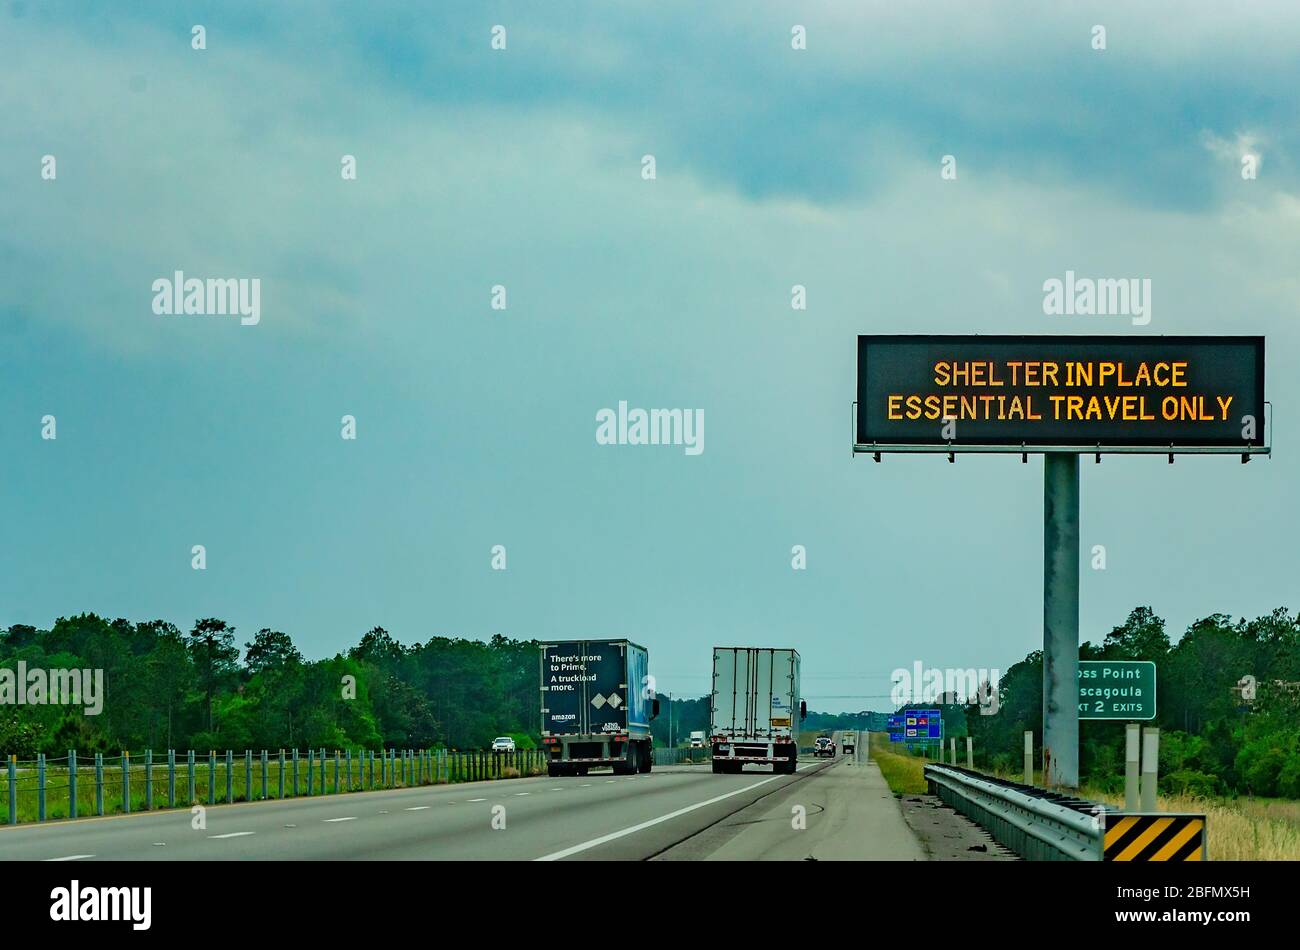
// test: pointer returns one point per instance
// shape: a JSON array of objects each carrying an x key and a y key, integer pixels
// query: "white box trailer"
[
  {"x": 755, "y": 712},
  {"x": 849, "y": 741}
]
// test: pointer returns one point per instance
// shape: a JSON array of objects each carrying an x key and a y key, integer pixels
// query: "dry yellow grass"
[{"x": 1240, "y": 829}]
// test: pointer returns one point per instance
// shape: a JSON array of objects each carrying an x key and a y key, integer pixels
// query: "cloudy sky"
[{"x": 476, "y": 427}]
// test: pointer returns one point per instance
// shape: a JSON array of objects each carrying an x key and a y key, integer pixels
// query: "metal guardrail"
[
  {"x": 678, "y": 756},
  {"x": 72, "y": 786},
  {"x": 1035, "y": 823}
]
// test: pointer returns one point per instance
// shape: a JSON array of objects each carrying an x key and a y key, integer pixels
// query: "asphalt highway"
[{"x": 598, "y": 816}]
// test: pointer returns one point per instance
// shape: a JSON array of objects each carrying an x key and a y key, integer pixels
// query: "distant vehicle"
[
  {"x": 849, "y": 740},
  {"x": 697, "y": 739},
  {"x": 503, "y": 744},
  {"x": 596, "y": 709},
  {"x": 823, "y": 746},
  {"x": 755, "y": 710}
]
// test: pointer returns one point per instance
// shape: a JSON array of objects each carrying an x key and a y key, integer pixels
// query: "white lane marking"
[
  {"x": 232, "y": 834},
  {"x": 517, "y": 794},
  {"x": 588, "y": 785},
  {"x": 557, "y": 789},
  {"x": 417, "y": 808},
  {"x": 614, "y": 835},
  {"x": 331, "y": 820},
  {"x": 478, "y": 799},
  {"x": 71, "y": 857},
  {"x": 609, "y": 781}
]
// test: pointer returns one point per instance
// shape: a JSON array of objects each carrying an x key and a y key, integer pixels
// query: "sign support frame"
[{"x": 1061, "y": 620}]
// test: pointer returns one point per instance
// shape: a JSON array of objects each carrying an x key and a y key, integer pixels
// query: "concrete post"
[
  {"x": 13, "y": 789},
  {"x": 148, "y": 779},
  {"x": 99, "y": 783},
  {"x": 1061, "y": 620},
  {"x": 248, "y": 775},
  {"x": 1132, "y": 759},
  {"x": 72, "y": 783},
  {"x": 1150, "y": 767},
  {"x": 212, "y": 777},
  {"x": 171, "y": 778},
  {"x": 126, "y": 782},
  {"x": 970, "y": 753},
  {"x": 952, "y": 749},
  {"x": 1029, "y": 758},
  {"x": 264, "y": 770},
  {"x": 193, "y": 794},
  {"x": 40, "y": 786}
]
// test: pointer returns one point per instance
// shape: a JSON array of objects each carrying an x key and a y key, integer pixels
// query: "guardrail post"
[
  {"x": 970, "y": 753},
  {"x": 40, "y": 786},
  {"x": 295, "y": 772},
  {"x": 322, "y": 770},
  {"x": 1150, "y": 767},
  {"x": 126, "y": 782},
  {"x": 248, "y": 775},
  {"x": 1029, "y": 758},
  {"x": 13, "y": 789},
  {"x": 148, "y": 779},
  {"x": 1132, "y": 760},
  {"x": 311, "y": 771},
  {"x": 171, "y": 778},
  {"x": 264, "y": 764},
  {"x": 212, "y": 776},
  {"x": 99, "y": 783},
  {"x": 337, "y": 755},
  {"x": 72, "y": 783},
  {"x": 280, "y": 780},
  {"x": 194, "y": 795}
]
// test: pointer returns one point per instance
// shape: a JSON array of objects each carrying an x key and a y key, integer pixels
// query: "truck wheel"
[
  {"x": 554, "y": 769},
  {"x": 717, "y": 767},
  {"x": 647, "y": 759}
]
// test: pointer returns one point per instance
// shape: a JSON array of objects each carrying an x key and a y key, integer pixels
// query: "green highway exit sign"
[{"x": 1117, "y": 689}]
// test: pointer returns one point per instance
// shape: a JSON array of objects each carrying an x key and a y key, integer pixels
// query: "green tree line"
[
  {"x": 168, "y": 688},
  {"x": 1212, "y": 740}
]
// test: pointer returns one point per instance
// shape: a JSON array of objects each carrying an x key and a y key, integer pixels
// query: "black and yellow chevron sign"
[{"x": 1162, "y": 837}]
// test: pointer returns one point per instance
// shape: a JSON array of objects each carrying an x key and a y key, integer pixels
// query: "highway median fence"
[{"x": 79, "y": 785}]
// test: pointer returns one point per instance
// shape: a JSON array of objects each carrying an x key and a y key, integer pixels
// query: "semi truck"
[
  {"x": 849, "y": 741},
  {"x": 755, "y": 711},
  {"x": 697, "y": 739},
  {"x": 596, "y": 706}
]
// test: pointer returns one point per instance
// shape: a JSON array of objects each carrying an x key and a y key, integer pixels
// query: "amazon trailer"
[
  {"x": 596, "y": 706},
  {"x": 756, "y": 710}
]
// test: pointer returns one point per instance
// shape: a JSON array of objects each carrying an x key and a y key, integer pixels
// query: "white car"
[{"x": 503, "y": 744}]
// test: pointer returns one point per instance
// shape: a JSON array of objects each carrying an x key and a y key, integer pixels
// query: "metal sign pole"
[{"x": 1061, "y": 619}]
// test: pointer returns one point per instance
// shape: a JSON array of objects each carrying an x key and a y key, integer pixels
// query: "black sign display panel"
[{"x": 1075, "y": 392}]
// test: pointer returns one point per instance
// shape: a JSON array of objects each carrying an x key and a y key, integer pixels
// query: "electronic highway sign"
[
  {"x": 1117, "y": 689},
  {"x": 1069, "y": 393}
]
